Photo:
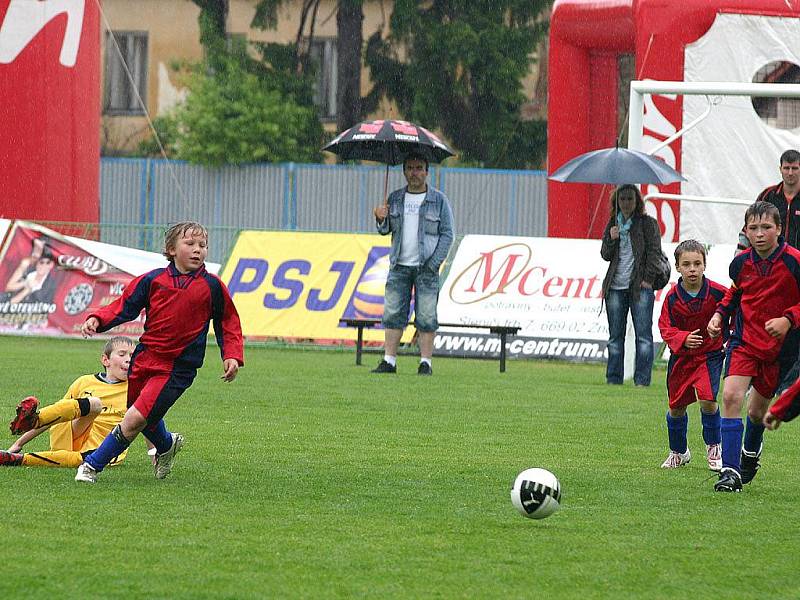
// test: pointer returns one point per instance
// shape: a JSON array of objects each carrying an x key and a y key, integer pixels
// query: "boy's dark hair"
[
  {"x": 689, "y": 246},
  {"x": 115, "y": 341},
  {"x": 638, "y": 209},
  {"x": 416, "y": 156},
  {"x": 177, "y": 231},
  {"x": 761, "y": 210},
  {"x": 790, "y": 156}
]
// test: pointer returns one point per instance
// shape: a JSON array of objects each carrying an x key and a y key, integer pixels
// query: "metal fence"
[{"x": 139, "y": 197}]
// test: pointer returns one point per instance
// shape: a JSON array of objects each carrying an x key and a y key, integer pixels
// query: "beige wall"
[{"x": 173, "y": 35}]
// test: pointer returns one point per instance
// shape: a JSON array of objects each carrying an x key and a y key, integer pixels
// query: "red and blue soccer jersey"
[
  {"x": 692, "y": 373},
  {"x": 178, "y": 309},
  {"x": 762, "y": 289}
]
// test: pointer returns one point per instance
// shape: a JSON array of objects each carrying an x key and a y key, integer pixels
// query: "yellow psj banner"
[{"x": 289, "y": 284}]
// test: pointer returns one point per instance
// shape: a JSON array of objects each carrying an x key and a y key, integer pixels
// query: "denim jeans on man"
[
  {"x": 397, "y": 297},
  {"x": 618, "y": 303}
]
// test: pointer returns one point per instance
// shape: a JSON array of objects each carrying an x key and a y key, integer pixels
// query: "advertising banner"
[
  {"x": 49, "y": 282},
  {"x": 549, "y": 287},
  {"x": 299, "y": 285}
]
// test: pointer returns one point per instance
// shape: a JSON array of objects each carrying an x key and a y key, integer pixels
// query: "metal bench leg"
[
  {"x": 359, "y": 344},
  {"x": 502, "y": 352}
]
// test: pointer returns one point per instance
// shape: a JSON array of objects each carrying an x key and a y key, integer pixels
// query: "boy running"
[
  {"x": 78, "y": 423},
  {"x": 180, "y": 301},
  {"x": 765, "y": 299},
  {"x": 695, "y": 362}
]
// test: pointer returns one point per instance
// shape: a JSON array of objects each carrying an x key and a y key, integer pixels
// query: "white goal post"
[{"x": 694, "y": 88}]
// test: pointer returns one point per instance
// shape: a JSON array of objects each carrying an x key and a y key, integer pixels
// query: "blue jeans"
[
  {"x": 618, "y": 302},
  {"x": 397, "y": 298}
]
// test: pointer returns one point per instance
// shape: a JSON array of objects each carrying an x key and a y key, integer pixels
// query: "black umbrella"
[{"x": 389, "y": 142}]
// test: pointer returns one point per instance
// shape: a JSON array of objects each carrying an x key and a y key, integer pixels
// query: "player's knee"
[
  {"x": 95, "y": 406},
  {"x": 732, "y": 397},
  {"x": 709, "y": 407}
]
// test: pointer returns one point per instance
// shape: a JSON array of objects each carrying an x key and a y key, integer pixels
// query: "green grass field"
[{"x": 310, "y": 477}]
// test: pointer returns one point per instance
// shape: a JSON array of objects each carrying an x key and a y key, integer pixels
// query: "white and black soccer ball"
[{"x": 536, "y": 493}]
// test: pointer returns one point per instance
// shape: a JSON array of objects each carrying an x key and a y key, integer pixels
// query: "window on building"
[
  {"x": 324, "y": 54},
  {"x": 782, "y": 113},
  {"x": 120, "y": 96}
]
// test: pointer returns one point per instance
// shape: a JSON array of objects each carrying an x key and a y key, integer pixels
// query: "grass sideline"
[{"x": 310, "y": 477}]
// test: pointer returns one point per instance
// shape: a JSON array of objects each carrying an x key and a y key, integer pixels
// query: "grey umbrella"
[{"x": 616, "y": 166}]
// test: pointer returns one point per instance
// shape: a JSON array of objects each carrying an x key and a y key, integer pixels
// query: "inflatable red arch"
[{"x": 587, "y": 38}]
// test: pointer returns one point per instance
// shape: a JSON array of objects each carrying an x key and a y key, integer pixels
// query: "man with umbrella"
[{"x": 420, "y": 220}]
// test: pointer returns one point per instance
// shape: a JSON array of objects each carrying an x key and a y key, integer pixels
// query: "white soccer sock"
[
  {"x": 425, "y": 360},
  {"x": 392, "y": 360}
]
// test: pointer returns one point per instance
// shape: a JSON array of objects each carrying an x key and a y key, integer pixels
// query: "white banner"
[{"x": 549, "y": 287}]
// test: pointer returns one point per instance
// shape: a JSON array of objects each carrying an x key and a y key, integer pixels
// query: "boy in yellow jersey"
[{"x": 91, "y": 408}]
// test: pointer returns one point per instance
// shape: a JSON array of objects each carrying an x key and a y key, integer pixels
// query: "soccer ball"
[{"x": 536, "y": 493}]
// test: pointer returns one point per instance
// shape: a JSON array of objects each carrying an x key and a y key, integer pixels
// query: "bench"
[{"x": 502, "y": 330}]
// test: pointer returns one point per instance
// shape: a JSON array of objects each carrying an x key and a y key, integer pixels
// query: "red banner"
[{"x": 48, "y": 283}]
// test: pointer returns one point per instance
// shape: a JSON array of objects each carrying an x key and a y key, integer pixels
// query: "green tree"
[
  {"x": 240, "y": 109},
  {"x": 462, "y": 73},
  {"x": 231, "y": 117}
]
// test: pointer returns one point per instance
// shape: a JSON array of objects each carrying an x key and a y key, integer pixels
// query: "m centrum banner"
[
  {"x": 299, "y": 285},
  {"x": 549, "y": 287}
]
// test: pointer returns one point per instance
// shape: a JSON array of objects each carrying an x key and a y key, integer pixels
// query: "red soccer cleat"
[
  {"x": 10, "y": 459},
  {"x": 27, "y": 416}
]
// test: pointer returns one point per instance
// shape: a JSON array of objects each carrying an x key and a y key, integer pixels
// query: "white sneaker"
[
  {"x": 714, "y": 454},
  {"x": 86, "y": 473},
  {"x": 676, "y": 459},
  {"x": 164, "y": 462}
]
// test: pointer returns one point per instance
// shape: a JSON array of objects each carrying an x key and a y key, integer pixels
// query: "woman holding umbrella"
[{"x": 632, "y": 244}]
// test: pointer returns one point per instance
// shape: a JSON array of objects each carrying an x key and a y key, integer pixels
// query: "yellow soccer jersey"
[{"x": 114, "y": 397}]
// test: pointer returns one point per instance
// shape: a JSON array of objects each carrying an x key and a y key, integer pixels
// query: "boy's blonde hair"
[
  {"x": 117, "y": 340},
  {"x": 177, "y": 231}
]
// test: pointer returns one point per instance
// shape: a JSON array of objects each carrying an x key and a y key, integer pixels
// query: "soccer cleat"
[
  {"x": 164, "y": 462},
  {"x": 384, "y": 367},
  {"x": 27, "y": 416},
  {"x": 714, "y": 455},
  {"x": 10, "y": 459},
  {"x": 676, "y": 459},
  {"x": 424, "y": 369},
  {"x": 729, "y": 481},
  {"x": 750, "y": 464},
  {"x": 86, "y": 473}
]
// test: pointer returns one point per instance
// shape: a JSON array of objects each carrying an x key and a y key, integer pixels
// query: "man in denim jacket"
[{"x": 420, "y": 220}]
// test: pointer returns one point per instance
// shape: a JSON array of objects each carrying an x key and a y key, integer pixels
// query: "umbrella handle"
[{"x": 386, "y": 188}]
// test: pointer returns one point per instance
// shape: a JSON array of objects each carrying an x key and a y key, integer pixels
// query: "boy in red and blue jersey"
[
  {"x": 180, "y": 301},
  {"x": 695, "y": 362},
  {"x": 764, "y": 301}
]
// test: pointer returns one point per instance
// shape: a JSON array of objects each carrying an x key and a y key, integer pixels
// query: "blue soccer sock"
[
  {"x": 676, "y": 427},
  {"x": 711, "y": 433},
  {"x": 753, "y": 435},
  {"x": 731, "y": 430},
  {"x": 111, "y": 447},
  {"x": 159, "y": 436}
]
